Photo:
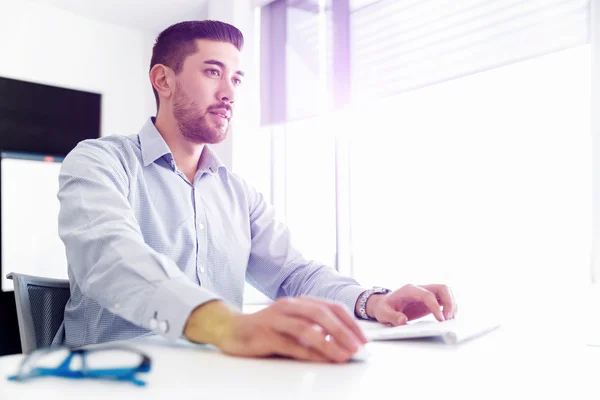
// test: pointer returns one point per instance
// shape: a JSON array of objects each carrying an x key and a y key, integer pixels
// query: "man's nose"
[{"x": 226, "y": 92}]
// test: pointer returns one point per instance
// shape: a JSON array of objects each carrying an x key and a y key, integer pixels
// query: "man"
[{"x": 160, "y": 237}]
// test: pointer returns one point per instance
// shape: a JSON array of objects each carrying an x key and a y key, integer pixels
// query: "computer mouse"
[{"x": 363, "y": 354}]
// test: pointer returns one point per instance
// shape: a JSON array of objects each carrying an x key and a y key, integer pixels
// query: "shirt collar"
[
  {"x": 154, "y": 147},
  {"x": 209, "y": 161},
  {"x": 152, "y": 143}
]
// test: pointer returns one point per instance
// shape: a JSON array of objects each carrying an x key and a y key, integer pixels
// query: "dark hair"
[{"x": 178, "y": 41}]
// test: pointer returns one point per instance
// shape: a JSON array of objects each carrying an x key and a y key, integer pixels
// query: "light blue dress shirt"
[{"x": 145, "y": 246}]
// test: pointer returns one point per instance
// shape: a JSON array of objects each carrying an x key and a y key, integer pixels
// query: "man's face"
[{"x": 205, "y": 91}]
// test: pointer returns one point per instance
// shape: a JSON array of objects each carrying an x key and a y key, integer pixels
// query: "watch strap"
[{"x": 364, "y": 297}]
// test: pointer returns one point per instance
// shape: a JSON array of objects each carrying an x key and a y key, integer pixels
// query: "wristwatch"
[{"x": 362, "y": 300}]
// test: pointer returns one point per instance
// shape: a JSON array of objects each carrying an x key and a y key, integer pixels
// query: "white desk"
[{"x": 500, "y": 365}]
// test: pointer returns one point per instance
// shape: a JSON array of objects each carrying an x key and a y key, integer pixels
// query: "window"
[
  {"x": 296, "y": 60},
  {"x": 483, "y": 182},
  {"x": 252, "y": 159},
  {"x": 402, "y": 45},
  {"x": 310, "y": 188},
  {"x": 464, "y": 156},
  {"x": 308, "y": 52}
]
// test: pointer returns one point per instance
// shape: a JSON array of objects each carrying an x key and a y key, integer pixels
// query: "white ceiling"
[{"x": 151, "y": 16}]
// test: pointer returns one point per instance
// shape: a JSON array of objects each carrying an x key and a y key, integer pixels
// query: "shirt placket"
[{"x": 200, "y": 226}]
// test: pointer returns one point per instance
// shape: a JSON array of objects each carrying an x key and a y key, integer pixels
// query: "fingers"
[
  {"x": 423, "y": 295},
  {"x": 387, "y": 315},
  {"x": 290, "y": 347},
  {"x": 343, "y": 314},
  {"x": 311, "y": 337},
  {"x": 446, "y": 297},
  {"x": 321, "y": 315}
]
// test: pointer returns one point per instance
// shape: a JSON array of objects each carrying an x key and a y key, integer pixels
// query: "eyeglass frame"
[{"x": 64, "y": 371}]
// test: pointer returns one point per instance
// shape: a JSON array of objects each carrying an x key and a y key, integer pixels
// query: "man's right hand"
[{"x": 303, "y": 328}]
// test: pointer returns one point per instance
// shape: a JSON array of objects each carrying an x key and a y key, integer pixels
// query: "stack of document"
[{"x": 451, "y": 332}]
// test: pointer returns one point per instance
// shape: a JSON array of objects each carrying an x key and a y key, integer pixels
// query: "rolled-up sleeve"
[
  {"x": 108, "y": 257},
  {"x": 277, "y": 269}
]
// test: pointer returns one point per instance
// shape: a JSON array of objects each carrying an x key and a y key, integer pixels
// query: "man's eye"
[
  {"x": 213, "y": 72},
  {"x": 237, "y": 81}
]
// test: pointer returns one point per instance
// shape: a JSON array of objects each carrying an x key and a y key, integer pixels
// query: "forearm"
[
  {"x": 278, "y": 269},
  {"x": 312, "y": 279},
  {"x": 286, "y": 273}
]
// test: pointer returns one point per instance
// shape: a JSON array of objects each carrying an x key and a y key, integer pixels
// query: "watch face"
[{"x": 381, "y": 290}]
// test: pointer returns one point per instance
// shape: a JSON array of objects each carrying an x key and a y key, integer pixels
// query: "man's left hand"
[{"x": 412, "y": 302}]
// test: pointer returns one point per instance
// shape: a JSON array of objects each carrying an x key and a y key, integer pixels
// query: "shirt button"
[
  {"x": 153, "y": 323},
  {"x": 117, "y": 306},
  {"x": 202, "y": 270},
  {"x": 163, "y": 326},
  {"x": 200, "y": 226}
]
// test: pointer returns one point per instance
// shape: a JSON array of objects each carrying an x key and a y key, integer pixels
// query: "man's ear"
[{"x": 160, "y": 80}]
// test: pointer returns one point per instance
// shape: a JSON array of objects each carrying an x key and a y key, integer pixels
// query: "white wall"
[{"x": 43, "y": 44}]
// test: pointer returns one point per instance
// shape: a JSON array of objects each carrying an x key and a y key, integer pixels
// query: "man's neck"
[{"x": 185, "y": 153}]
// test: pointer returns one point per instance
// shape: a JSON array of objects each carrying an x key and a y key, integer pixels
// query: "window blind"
[{"x": 400, "y": 45}]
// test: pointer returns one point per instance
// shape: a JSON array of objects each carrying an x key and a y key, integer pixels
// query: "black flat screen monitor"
[{"x": 44, "y": 119}]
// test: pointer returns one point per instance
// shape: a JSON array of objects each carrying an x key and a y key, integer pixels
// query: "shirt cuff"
[
  {"x": 348, "y": 296},
  {"x": 171, "y": 306}
]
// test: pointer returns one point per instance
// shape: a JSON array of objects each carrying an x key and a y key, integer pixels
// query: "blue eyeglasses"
[{"x": 113, "y": 363}]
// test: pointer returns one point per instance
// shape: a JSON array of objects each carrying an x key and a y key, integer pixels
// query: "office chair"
[{"x": 40, "y": 309}]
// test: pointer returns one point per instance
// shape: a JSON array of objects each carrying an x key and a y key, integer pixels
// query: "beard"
[{"x": 194, "y": 125}]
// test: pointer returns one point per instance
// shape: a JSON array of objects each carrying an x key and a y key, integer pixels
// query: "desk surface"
[{"x": 502, "y": 364}]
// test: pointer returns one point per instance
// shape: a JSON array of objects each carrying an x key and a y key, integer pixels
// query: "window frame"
[{"x": 274, "y": 72}]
